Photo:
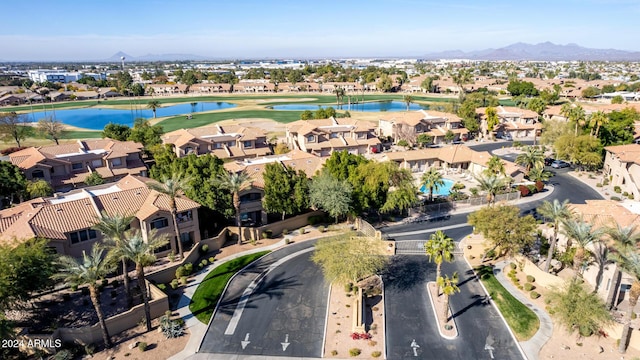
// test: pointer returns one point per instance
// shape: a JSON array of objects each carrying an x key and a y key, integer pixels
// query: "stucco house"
[
  {"x": 622, "y": 165},
  {"x": 323, "y": 136}
]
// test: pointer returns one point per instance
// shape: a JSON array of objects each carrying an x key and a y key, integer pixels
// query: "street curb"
[
  {"x": 433, "y": 307},
  {"x": 326, "y": 321}
]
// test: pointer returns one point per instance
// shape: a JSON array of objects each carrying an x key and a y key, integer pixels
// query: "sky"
[{"x": 70, "y": 30}]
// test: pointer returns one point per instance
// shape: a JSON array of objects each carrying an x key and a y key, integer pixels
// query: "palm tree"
[
  {"x": 432, "y": 180},
  {"x": 136, "y": 249},
  {"x": 173, "y": 187},
  {"x": 449, "y": 287},
  {"x": 624, "y": 236},
  {"x": 557, "y": 212},
  {"x": 629, "y": 260},
  {"x": 495, "y": 166},
  {"x": 530, "y": 158},
  {"x": 491, "y": 184},
  {"x": 235, "y": 183},
  {"x": 113, "y": 229},
  {"x": 460, "y": 78},
  {"x": 583, "y": 234},
  {"x": 597, "y": 119},
  {"x": 575, "y": 114},
  {"x": 153, "y": 105},
  {"x": 538, "y": 174},
  {"x": 439, "y": 248},
  {"x": 492, "y": 119},
  {"x": 87, "y": 271},
  {"x": 339, "y": 91},
  {"x": 408, "y": 99}
]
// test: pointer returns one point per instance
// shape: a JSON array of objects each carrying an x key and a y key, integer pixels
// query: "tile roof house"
[
  {"x": 457, "y": 158},
  {"x": 235, "y": 142},
  {"x": 622, "y": 164},
  {"x": 408, "y": 125},
  {"x": 167, "y": 89},
  {"x": 323, "y": 136},
  {"x": 66, "y": 220},
  {"x": 519, "y": 123},
  {"x": 66, "y": 166},
  {"x": 251, "y": 210},
  {"x": 210, "y": 88}
]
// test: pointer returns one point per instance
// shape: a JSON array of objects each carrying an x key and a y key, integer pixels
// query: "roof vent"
[
  {"x": 114, "y": 198},
  {"x": 138, "y": 193},
  {"x": 59, "y": 209}
]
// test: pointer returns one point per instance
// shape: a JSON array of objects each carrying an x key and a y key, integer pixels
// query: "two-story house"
[
  {"x": 66, "y": 220},
  {"x": 323, "y": 136},
  {"x": 409, "y": 125},
  {"x": 519, "y": 123},
  {"x": 224, "y": 141},
  {"x": 66, "y": 166},
  {"x": 622, "y": 165}
]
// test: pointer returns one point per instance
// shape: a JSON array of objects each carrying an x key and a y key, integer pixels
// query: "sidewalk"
[{"x": 532, "y": 346}]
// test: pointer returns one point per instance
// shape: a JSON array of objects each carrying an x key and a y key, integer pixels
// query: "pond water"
[
  {"x": 97, "y": 118},
  {"x": 365, "y": 107}
]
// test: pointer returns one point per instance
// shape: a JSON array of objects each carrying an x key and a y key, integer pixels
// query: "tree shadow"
[
  {"x": 479, "y": 300},
  {"x": 406, "y": 272}
]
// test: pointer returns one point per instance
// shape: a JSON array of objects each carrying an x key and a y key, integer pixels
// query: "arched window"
[{"x": 37, "y": 174}]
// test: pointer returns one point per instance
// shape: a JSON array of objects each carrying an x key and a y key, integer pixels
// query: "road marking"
[
  {"x": 286, "y": 343},
  {"x": 424, "y": 231},
  {"x": 415, "y": 347},
  {"x": 237, "y": 313},
  {"x": 245, "y": 342},
  {"x": 490, "y": 349}
]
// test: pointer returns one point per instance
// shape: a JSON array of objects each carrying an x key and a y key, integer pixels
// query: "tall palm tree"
[
  {"x": 583, "y": 234},
  {"x": 557, "y": 212},
  {"x": 629, "y": 260},
  {"x": 408, "y": 99},
  {"x": 492, "y": 119},
  {"x": 495, "y": 166},
  {"x": 113, "y": 229},
  {"x": 449, "y": 286},
  {"x": 173, "y": 187},
  {"x": 432, "y": 180},
  {"x": 153, "y": 105},
  {"x": 597, "y": 119},
  {"x": 439, "y": 248},
  {"x": 624, "y": 236},
  {"x": 491, "y": 185},
  {"x": 140, "y": 252},
  {"x": 87, "y": 271},
  {"x": 576, "y": 115},
  {"x": 531, "y": 157},
  {"x": 235, "y": 183},
  {"x": 339, "y": 91},
  {"x": 538, "y": 174}
]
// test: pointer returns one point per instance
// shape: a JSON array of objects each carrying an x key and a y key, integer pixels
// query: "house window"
[
  {"x": 37, "y": 174},
  {"x": 184, "y": 216},
  {"x": 116, "y": 162},
  {"x": 159, "y": 223},
  {"x": 231, "y": 143},
  {"x": 96, "y": 163},
  {"x": 362, "y": 135},
  {"x": 333, "y": 135},
  {"x": 311, "y": 138},
  {"x": 218, "y": 146},
  {"x": 188, "y": 150},
  {"x": 76, "y": 166},
  {"x": 247, "y": 144},
  {"x": 250, "y": 197},
  {"x": 82, "y": 235}
]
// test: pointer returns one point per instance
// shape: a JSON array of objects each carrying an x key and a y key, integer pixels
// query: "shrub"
[
  {"x": 322, "y": 229},
  {"x": 513, "y": 266},
  {"x": 171, "y": 329},
  {"x": 316, "y": 219},
  {"x": 180, "y": 272},
  {"x": 285, "y": 232},
  {"x": 625, "y": 194},
  {"x": 174, "y": 284},
  {"x": 334, "y": 352},
  {"x": 348, "y": 287},
  {"x": 162, "y": 287},
  {"x": 528, "y": 286},
  {"x": 183, "y": 280},
  {"x": 539, "y": 185},
  {"x": 355, "y": 351},
  {"x": 631, "y": 196},
  {"x": 474, "y": 191},
  {"x": 74, "y": 287},
  {"x": 532, "y": 189},
  {"x": 615, "y": 198},
  {"x": 531, "y": 279},
  {"x": 617, "y": 189},
  {"x": 598, "y": 185},
  {"x": 591, "y": 176},
  {"x": 524, "y": 191},
  {"x": 204, "y": 262},
  {"x": 287, "y": 241},
  {"x": 212, "y": 259},
  {"x": 376, "y": 354},
  {"x": 171, "y": 257},
  {"x": 404, "y": 143},
  {"x": 534, "y": 294},
  {"x": 605, "y": 182},
  {"x": 264, "y": 235},
  {"x": 204, "y": 249},
  {"x": 142, "y": 346},
  {"x": 188, "y": 269}
]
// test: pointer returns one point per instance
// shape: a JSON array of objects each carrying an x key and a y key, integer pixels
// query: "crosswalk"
[{"x": 416, "y": 247}]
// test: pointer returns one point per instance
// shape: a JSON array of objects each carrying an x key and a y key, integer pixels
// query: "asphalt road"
[
  {"x": 410, "y": 316},
  {"x": 284, "y": 316}
]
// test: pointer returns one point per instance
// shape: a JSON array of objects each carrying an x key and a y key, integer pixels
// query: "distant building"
[{"x": 40, "y": 76}]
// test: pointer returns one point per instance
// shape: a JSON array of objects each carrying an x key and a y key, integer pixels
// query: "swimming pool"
[
  {"x": 365, "y": 107},
  {"x": 97, "y": 118},
  {"x": 442, "y": 190}
]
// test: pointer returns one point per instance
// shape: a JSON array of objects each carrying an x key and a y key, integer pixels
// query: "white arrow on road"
[
  {"x": 286, "y": 343},
  {"x": 490, "y": 349},
  {"x": 415, "y": 347},
  {"x": 245, "y": 342}
]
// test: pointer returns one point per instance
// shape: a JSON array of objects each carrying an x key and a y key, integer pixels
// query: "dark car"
[
  {"x": 559, "y": 164},
  {"x": 548, "y": 161}
]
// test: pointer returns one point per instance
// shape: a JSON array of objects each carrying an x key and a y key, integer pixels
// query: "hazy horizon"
[{"x": 88, "y": 31}]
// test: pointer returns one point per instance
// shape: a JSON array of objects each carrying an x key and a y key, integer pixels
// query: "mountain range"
[{"x": 545, "y": 51}]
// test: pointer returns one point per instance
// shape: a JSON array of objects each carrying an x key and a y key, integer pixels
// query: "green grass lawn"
[
  {"x": 210, "y": 289},
  {"x": 75, "y": 134},
  {"x": 179, "y": 122},
  {"x": 522, "y": 320}
]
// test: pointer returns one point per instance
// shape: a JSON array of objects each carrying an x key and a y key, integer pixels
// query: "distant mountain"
[
  {"x": 155, "y": 57},
  {"x": 542, "y": 51}
]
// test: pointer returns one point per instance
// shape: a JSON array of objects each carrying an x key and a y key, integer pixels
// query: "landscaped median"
[
  {"x": 523, "y": 321},
  {"x": 206, "y": 296}
]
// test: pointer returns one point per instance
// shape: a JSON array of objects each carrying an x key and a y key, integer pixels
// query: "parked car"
[
  {"x": 548, "y": 161},
  {"x": 559, "y": 164},
  {"x": 506, "y": 136}
]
